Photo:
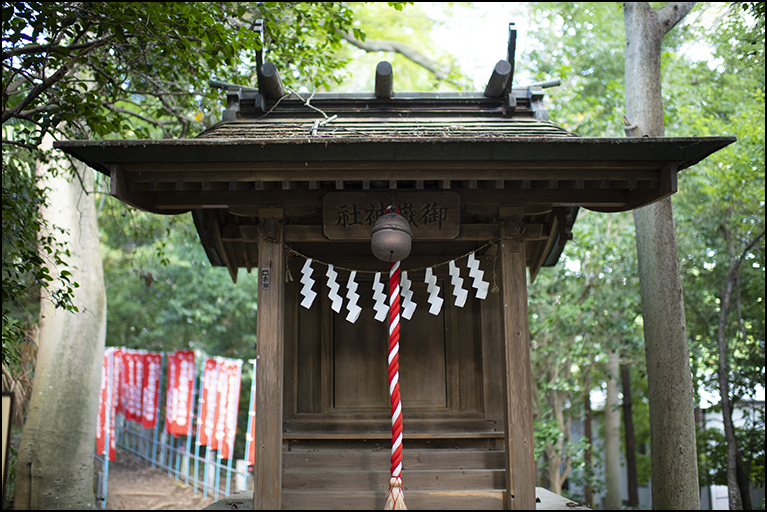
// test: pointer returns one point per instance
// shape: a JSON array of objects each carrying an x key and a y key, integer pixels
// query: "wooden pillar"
[
  {"x": 269, "y": 354},
  {"x": 518, "y": 396}
]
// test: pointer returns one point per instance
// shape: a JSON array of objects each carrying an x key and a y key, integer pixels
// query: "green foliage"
[
  {"x": 582, "y": 44},
  {"x": 723, "y": 94},
  {"x": 9, "y": 492},
  {"x": 586, "y": 305},
  {"x": 411, "y": 26},
  {"x": 712, "y": 451},
  {"x": 162, "y": 293},
  {"x": 721, "y": 203},
  {"x": 151, "y": 61},
  {"x": 30, "y": 251},
  {"x": 133, "y": 70}
]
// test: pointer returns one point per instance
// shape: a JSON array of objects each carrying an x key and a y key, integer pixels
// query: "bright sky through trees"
[{"x": 478, "y": 36}]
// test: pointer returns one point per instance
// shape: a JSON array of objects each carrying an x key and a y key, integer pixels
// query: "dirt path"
[{"x": 133, "y": 485}]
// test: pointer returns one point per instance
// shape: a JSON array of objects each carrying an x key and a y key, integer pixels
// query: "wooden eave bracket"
[{"x": 564, "y": 226}]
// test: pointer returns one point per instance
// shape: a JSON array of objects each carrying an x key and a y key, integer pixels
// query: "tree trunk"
[
  {"x": 612, "y": 436},
  {"x": 628, "y": 425},
  {"x": 672, "y": 422},
  {"x": 723, "y": 371},
  {"x": 555, "y": 451},
  {"x": 588, "y": 492},
  {"x": 55, "y": 461}
]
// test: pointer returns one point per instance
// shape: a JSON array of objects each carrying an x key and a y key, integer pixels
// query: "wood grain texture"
[
  {"x": 520, "y": 477},
  {"x": 269, "y": 374}
]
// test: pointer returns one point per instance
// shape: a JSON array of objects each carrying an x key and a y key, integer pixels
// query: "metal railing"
[
  {"x": 179, "y": 456},
  {"x": 182, "y": 460}
]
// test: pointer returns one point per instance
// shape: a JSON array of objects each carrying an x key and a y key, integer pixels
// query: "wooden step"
[
  {"x": 373, "y": 460},
  {"x": 352, "y": 479},
  {"x": 374, "y": 500},
  {"x": 414, "y": 500}
]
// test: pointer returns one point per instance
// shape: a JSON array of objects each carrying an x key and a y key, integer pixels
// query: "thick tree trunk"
[
  {"x": 55, "y": 461},
  {"x": 672, "y": 423},
  {"x": 612, "y": 436},
  {"x": 628, "y": 426}
]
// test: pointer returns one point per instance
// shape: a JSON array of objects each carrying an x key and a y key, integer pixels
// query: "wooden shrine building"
[{"x": 284, "y": 178}]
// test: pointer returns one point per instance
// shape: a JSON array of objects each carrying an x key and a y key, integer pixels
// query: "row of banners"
[{"x": 131, "y": 382}]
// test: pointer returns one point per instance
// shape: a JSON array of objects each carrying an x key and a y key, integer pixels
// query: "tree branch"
[
  {"x": 120, "y": 110},
  {"x": 47, "y": 83},
  {"x": 52, "y": 48},
  {"x": 672, "y": 13},
  {"x": 401, "y": 48},
  {"x": 20, "y": 144},
  {"x": 23, "y": 75},
  {"x": 14, "y": 84},
  {"x": 750, "y": 246}
]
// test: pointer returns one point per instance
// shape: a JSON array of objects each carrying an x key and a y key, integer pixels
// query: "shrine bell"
[{"x": 391, "y": 238}]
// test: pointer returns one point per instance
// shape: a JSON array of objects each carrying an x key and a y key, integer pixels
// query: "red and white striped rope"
[{"x": 395, "y": 499}]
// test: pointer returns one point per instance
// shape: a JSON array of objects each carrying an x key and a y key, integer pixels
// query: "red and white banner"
[
  {"x": 250, "y": 438},
  {"x": 232, "y": 368},
  {"x": 172, "y": 371},
  {"x": 123, "y": 383},
  {"x": 180, "y": 403},
  {"x": 117, "y": 380},
  {"x": 151, "y": 389},
  {"x": 138, "y": 385},
  {"x": 133, "y": 369},
  {"x": 134, "y": 379},
  {"x": 219, "y": 419},
  {"x": 207, "y": 413},
  {"x": 107, "y": 404},
  {"x": 125, "y": 387}
]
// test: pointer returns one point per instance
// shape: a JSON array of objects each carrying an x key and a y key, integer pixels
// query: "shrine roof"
[
  {"x": 372, "y": 129},
  {"x": 365, "y": 117},
  {"x": 290, "y": 152}
]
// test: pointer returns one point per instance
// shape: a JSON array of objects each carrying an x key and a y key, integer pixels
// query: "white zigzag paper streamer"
[
  {"x": 477, "y": 274},
  {"x": 308, "y": 282},
  {"x": 434, "y": 298},
  {"x": 457, "y": 282},
  {"x": 353, "y": 296},
  {"x": 380, "y": 297},
  {"x": 333, "y": 289},
  {"x": 408, "y": 306}
]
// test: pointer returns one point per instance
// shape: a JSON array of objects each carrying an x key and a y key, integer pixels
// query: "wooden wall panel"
[
  {"x": 290, "y": 367},
  {"x": 360, "y": 359},
  {"x": 492, "y": 355},
  {"x": 422, "y": 356},
  {"x": 469, "y": 353},
  {"x": 309, "y": 355}
]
